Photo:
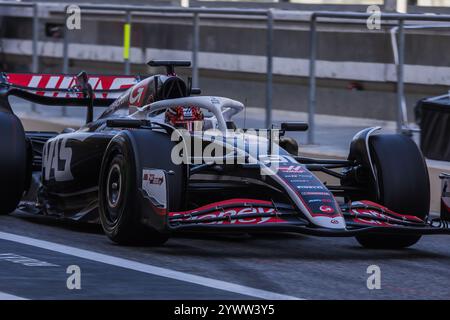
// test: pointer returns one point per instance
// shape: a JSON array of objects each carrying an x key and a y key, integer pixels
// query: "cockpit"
[{"x": 205, "y": 112}]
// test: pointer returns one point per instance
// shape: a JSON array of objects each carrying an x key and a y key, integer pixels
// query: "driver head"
[{"x": 189, "y": 118}]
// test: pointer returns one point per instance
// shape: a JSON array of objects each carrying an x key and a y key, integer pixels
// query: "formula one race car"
[{"x": 159, "y": 161}]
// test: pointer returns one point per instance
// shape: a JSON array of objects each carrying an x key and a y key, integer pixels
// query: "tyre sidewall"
[
  {"x": 118, "y": 153},
  {"x": 13, "y": 162},
  {"x": 403, "y": 183}
]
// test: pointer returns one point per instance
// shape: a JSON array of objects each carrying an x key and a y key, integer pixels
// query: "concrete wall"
[{"x": 232, "y": 58}]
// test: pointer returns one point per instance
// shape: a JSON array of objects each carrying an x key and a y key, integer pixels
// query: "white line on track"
[
  {"x": 146, "y": 268},
  {"x": 7, "y": 296}
]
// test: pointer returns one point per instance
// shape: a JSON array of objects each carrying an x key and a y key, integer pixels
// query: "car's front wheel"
[
  {"x": 118, "y": 203},
  {"x": 403, "y": 184}
]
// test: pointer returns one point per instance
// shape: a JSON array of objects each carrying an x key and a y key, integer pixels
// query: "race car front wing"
[{"x": 250, "y": 215}]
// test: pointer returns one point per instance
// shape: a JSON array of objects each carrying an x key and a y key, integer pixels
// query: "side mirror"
[
  {"x": 290, "y": 145},
  {"x": 294, "y": 126}
]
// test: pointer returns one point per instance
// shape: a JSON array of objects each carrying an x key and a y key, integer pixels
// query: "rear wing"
[{"x": 63, "y": 89}]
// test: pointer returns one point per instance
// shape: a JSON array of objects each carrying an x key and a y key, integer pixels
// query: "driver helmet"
[{"x": 189, "y": 118}]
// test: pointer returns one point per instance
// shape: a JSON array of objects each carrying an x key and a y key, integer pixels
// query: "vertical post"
[
  {"x": 390, "y": 5},
  {"x": 400, "y": 75},
  {"x": 66, "y": 51},
  {"x": 312, "y": 78},
  {"x": 35, "y": 59},
  {"x": 195, "y": 49},
  {"x": 269, "y": 68},
  {"x": 127, "y": 41},
  {"x": 65, "y": 60}
]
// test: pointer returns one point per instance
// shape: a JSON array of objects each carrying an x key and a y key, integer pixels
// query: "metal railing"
[
  {"x": 196, "y": 12},
  {"x": 395, "y": 50},
  {"x": 270, "y": 16},
  {"x": 362, "y": 19},
  {"x": 35, "y": 33},
  {"x": 128, "y": 11}
]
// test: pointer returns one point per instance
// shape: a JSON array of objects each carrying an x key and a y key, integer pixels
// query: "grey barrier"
[
  {"x": 269, "y": 15},
  {"x": 362, "y": 18}
]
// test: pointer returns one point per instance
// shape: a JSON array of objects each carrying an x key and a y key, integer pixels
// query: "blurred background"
[
  {"x": 356, "y": 75},
  {"x": 355, "y": 69}
]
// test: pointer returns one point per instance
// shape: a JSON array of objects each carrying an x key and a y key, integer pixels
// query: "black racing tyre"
[
  {"x": 403, "y": 183},
  {"x": 13, "y": 162},
  {"x": 118, "y": 203},
  {"x": 289, "y": 144}
]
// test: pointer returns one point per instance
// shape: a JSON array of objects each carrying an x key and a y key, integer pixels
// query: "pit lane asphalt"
[{"x": 287, "y": 264}]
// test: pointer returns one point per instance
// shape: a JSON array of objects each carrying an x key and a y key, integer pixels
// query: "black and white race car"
[{"x": 136, "y": 174}]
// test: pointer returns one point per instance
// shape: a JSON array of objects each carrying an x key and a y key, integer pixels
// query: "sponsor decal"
[
  {"x": 299, "y": 181},
  {"x": 368, "y": 220},
  {"x": 238, "y": 211},
  {"x": 214, "y": 100},
  {"x": 50, "y": 81},
  {"x": 326, "y": 209},
  {"x": 57, "y": 156},
  {"x": 56, "y": 150},
  {"x": 137, "y": 95},
  {"x": 311, "y": 187},
  {"x": 188, "y": 113},
  {"x": 320, "y": 200},
  {"x": 298, "y": 176},
  {"x": 385, "y": 210},
  {"x": 292, "y": 169},
  {"x": 315, "y": 193},
  {"x": 153, "y": 179},
  {"x": 334, "y": 221},
  {"x": 154, "y": 186}
]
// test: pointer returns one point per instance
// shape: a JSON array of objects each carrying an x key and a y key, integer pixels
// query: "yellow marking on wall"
[{"x": 126, "y": 41}]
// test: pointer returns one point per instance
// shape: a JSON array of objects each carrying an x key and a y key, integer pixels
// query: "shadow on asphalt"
[
  {"x": 65, "y": 224},
  {"x": 286, "y": 246},
  {"x": 257, "y": 245}
]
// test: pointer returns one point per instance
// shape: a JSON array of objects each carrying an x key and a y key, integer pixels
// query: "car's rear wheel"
[
  {"x": 403, "y": 185},
  {"x": 118, "y": 203},
  {"x": 13, "y": 162}
]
